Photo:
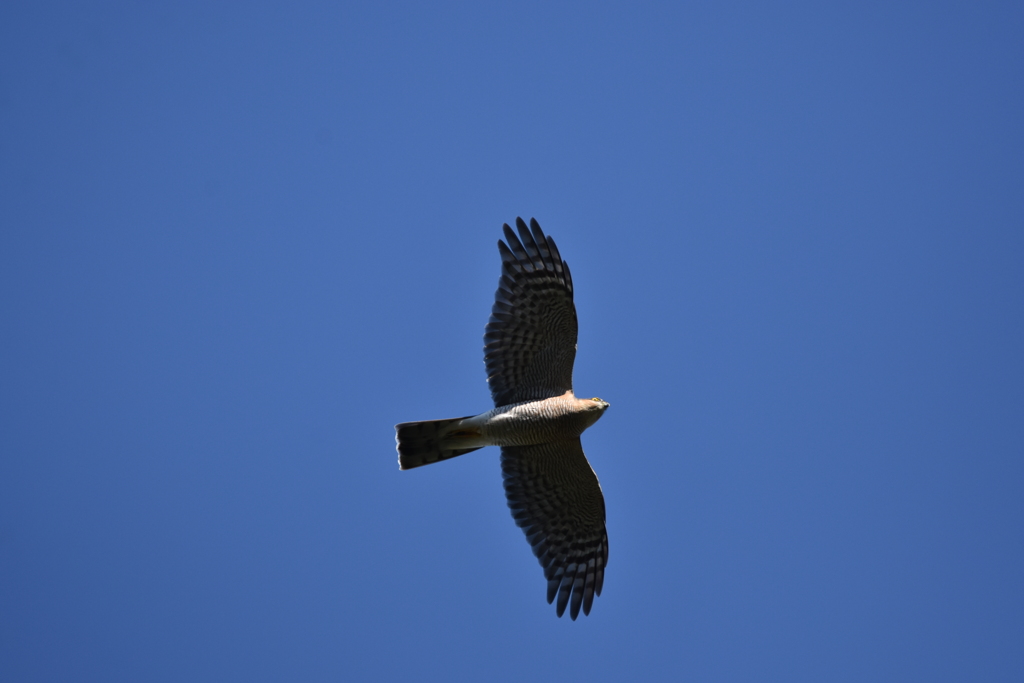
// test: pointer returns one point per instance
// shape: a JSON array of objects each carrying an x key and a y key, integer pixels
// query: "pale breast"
[{"x": 536, "y": 422}]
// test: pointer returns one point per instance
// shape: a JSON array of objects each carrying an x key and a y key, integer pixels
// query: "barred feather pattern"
[
  {"x": 556, "y": 499},
  {"x": 530, "y": 339},
  {"x": 422, "y": 443}
]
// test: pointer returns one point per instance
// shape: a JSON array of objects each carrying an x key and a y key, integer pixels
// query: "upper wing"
[
  {"x": 530, "y": 340},
  {"x": 555, "y": 497}
]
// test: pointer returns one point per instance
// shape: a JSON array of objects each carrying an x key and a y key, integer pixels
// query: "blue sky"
[{"x": 240, "y": 242}]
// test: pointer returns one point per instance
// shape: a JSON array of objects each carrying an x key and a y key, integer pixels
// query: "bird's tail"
[{"x": 421, "y": 443}]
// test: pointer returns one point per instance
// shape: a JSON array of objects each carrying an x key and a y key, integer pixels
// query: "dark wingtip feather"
[
  {"x": 506, "y": 253},
  {"x": 588, "y": 588},
  {"x": 522, "y": 258},
  {"x": 510, "y": 235},
  {"x": 532, "y": 250},
  {"x": 564, "y": 591},
  {"x": 541, "y": 240},
  {"x": 552, "y": 589},
  {"x": 537, "y": 232},
  {"x": 577, "y": 596}
]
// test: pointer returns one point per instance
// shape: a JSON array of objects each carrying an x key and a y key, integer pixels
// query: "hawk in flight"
[{"x": 529, "y": 349}]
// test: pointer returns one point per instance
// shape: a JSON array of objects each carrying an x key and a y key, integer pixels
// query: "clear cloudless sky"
[{"x": 240, "y": 241}]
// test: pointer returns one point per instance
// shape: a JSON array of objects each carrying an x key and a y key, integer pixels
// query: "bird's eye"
[{"x": 596, "y": 399}]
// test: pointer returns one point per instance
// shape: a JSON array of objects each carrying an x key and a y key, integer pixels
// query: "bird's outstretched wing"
[
  {"x": 530, "y": 340},
  {"x": 556, "y": 499}
]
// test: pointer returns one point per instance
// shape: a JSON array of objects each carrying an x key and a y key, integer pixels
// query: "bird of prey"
[{"x": 529, "y": 349}]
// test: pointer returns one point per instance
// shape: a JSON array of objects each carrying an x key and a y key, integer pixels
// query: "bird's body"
[
  {"x": 520, "y": 424},
  {"x": 530, "y": 346}
]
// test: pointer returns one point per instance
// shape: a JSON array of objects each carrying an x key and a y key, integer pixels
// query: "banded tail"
[{"x": 422, "y": 443}]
